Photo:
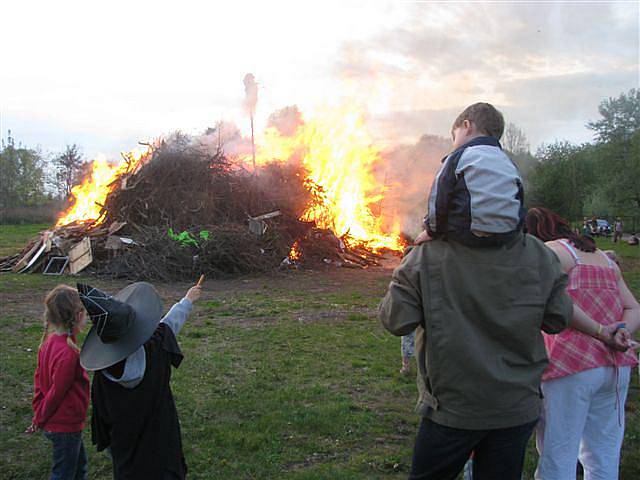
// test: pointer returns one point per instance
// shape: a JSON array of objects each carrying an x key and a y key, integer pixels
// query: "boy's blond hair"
[{"x": 486, "y": 118}]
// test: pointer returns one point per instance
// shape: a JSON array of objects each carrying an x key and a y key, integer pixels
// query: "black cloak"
[{"x": 140, "y": 425}]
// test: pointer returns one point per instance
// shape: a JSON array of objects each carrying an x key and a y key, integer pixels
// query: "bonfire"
[{"x": 174, "y": 209}]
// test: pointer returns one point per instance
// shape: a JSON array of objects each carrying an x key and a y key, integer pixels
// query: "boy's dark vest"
[{"x": 140, "y": 425}]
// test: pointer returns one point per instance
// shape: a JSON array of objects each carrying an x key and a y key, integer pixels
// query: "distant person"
[
  {"x": 585, "y": 227},
  {"x": 586, "y": 382},
  {"x": 633, "y": 240},
  {"x": 132, "y": 351},
  {"x": 617, "y": 230},
  {"x": 61, "y": 390},
  {"x": 477, "y": 196}
]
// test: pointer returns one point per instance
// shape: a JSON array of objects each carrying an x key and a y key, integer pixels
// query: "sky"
[{"x": 106, "y": 75}]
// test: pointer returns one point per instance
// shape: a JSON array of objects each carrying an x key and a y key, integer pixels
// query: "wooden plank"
[
  {"x": 80, "y": 256},
  {"x": 35, "y": 257},
  {"x": 27, "y": 256},
  {"x": 267, "y": 216}
]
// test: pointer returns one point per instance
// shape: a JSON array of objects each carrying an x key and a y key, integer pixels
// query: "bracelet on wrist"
[{"x": 599, "y": 332}]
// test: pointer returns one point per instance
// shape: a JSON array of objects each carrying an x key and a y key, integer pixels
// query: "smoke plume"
[
  {"x": 286, "y": 120},
  {"x": 408, "y": 173},
  {"x": 405, "y": 171}
]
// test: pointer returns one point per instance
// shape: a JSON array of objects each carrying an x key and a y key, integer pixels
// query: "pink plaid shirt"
[{"x": 595, "y": 290}]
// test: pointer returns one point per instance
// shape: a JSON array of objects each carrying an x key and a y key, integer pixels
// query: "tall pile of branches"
[
  {"x": 184, "y": 186},
  {"x": 229, "y": 250},
  {"x": 189, "y": 189},
  {"x": 187, "y": 210}
]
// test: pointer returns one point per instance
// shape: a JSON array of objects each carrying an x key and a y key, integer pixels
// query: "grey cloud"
[
  {"x": 546, "y": 108},
  {"x": 565, "y": 94},
  {"x": 482, "y": 34},
  {"x": 547, "y": 105},
  {"x": 505, "y": 53}
]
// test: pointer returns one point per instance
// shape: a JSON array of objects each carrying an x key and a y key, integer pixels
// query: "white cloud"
[{"x": 104, "y": 74}]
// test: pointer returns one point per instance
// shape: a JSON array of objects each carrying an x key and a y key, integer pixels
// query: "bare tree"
[
  {"x": 514, "y": 140},
  {"x": 68, "y": 166}
]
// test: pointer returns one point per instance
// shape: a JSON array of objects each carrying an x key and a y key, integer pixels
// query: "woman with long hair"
[{"x": 586, "y": 383}]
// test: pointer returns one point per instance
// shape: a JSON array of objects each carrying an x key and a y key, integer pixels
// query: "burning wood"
[
  {"x": 320, "y": 208},
  {"x": 339, "y": 159},
  {"x": 91, "y": 194}
]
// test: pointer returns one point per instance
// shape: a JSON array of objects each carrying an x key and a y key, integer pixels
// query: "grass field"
[
  {"x": 14, "y": 237},
  {"x": 285, "y": 376}
]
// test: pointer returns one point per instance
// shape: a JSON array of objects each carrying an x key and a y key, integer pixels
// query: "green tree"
[
  {"x": 620, "y": 117},
  {"x": 562, "y": 178},
  {"x": 594, "y": 179},
  {"x": 618, "y": 174},
  {"x": 21, "y": 175},
  {"x": 617, "y": 153}
]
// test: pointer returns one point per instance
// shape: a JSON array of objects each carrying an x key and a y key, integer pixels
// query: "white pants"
[{"x": 583, "y": 418}]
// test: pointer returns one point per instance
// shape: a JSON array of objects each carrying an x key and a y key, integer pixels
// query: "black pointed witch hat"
[{"x": 121, "y": 323}]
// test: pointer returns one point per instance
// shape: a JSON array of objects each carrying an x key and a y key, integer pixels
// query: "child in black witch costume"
[{"x": 131, "y": 349}]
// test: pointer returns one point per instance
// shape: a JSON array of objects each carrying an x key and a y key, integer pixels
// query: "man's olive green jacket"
[{"x": 479, "y": 313}]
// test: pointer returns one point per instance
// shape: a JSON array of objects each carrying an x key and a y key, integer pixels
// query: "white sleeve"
[{"x": 177, "y": 315}]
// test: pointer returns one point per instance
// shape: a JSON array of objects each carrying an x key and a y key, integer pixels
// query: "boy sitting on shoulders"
[{"x": 477, "y": 197}]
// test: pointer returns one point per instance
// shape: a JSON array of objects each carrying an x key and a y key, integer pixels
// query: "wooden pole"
[
  {"x": 219, "y": 135},
  {"x": 253, "y": 143}
]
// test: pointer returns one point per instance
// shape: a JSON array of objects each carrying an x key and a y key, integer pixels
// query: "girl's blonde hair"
[{"x": 61, "y": 307}]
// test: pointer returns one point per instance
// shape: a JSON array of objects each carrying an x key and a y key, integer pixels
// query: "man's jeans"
[
  {"x": 441, "y": 452},
  {"x": 69, "y": 456}
]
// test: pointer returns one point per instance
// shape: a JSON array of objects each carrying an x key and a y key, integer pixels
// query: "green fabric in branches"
[{"x": 187, "y": 239}]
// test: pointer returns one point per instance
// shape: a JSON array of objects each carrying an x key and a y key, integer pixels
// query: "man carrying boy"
[{"x": 478, "y": 296}]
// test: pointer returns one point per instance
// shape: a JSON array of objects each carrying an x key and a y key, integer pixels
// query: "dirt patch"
[
  {"x": 334, "y": 315},
  {"x": 315, "y": 458},
  {"x": 27, "y": 301}
]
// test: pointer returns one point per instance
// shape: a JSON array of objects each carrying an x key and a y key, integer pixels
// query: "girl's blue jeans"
[{"x": 69, "y": 456}]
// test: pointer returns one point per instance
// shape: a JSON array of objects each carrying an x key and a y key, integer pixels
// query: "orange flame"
[
  {"x": 294, "y": 253},
  {"x": 338, "y": 154},
  {"x": 90, "y": 195}
]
